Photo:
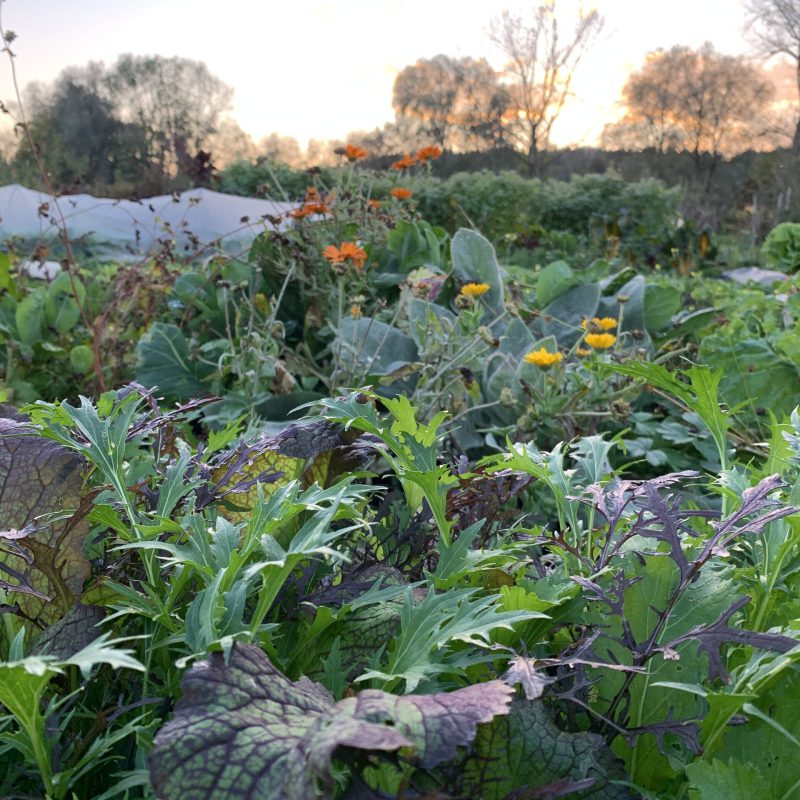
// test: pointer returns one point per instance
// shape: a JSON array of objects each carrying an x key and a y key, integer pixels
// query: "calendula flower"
[
  {"x": 355, "y": 311},
  {"x": 307, "y": 209},
  {"x": 405, "y": 162},
  {"x": 600, "y": 341},
  {"x": 427, "y": 153},
  {"x": 333, "y": 254},
  {"x": 474, "y": 289},
  {"x": 542, "y": 358},
  {"x": 312, "y": 204},
  {"x": 401, "y": 193},
  {"x": 373, "y": 203},
  {"x": 583, "y": 352},
  {"x": 596, "y": 325},
  {"x": 354, "y": 153},
  {"x": 347, "y": 251}
]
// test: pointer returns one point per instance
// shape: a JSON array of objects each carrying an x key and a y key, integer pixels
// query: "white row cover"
[{"x": 132, "y": 229}]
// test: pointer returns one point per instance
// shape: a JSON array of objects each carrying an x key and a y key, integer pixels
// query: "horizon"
[{"x": 335, "y": 87}]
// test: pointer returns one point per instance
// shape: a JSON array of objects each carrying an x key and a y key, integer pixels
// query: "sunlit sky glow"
[{"x": 314, "y": 69}]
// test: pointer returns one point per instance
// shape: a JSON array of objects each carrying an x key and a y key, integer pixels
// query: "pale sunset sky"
[{"x": 315, "y": 69}]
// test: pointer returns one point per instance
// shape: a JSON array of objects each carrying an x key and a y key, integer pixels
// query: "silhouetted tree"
[
  {"x": 457, "y": 103},
  {"x": 541, "y": 64},
  {"x": 176, "y": 102},
  {"x": 695, "y": 100}
]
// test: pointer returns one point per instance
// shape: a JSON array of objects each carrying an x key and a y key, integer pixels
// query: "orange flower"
[
  {"x": 427, "y": 153},
  {"x": 351, "y": 251},
  {"x": 405, "y": 162},
  {"x": 401, "y": 193},
  {"x": 373, "y": 203},
  {"x": 354, "y": 152},
  {"x": 312, "y": 204},
  {"x": 347, "y": 251},
  {"x": 307, "y": 209},
  {"x": 333, "y": 254}
]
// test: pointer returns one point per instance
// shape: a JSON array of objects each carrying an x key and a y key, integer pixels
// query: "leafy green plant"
[{"x": 781, "y": 248}]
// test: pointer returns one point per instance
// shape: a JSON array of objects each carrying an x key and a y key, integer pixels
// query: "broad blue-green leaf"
[
  {"x": 562, "y": 318},
  {"x": 661, "y": 303},
  {"x": 553, "y": 281},
  {"x": 165, "y": 362},
  {"x": 60, "y": 306},
  {"x": 29, "y": 318},
  {"x": 475, "y": 261},
  {"x": 429, "y": 321},
  {"x": 371, "y": 347}
]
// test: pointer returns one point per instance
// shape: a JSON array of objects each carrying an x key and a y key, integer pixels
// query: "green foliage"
[
  {"x": 520, "y": 522},
  {"x": 781, "y": 248}
]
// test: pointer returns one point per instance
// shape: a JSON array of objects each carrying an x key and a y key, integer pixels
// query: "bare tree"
[
  {"x": 541, "y": 64},
  {"x": 774, "y": 28}
]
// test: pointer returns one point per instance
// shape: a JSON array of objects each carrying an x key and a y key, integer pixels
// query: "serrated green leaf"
[{"x": 733, "y": 780}]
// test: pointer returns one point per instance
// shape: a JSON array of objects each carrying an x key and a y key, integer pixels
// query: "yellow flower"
[
  {"x": 542, "y": 358},
  {"x": 355, "y": 311},
  {"x": 583, "y": 352},
  {"x": 600, "y": 341},
  {"x": 595, "y": 324},
  {"x": 474, "y": 289}
]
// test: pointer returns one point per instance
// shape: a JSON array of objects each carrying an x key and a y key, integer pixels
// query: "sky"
[{"x": 321, "y": 68}]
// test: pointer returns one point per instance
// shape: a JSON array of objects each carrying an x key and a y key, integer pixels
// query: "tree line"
[{"x": 148, "y": 124}]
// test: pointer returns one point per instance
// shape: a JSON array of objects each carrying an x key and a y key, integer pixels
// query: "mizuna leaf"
[
  {"x": 713, "y": 636},
  {"x": 242, "y": 730}
]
